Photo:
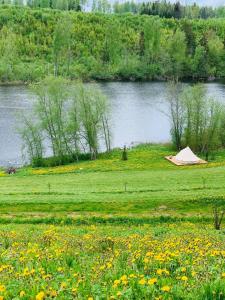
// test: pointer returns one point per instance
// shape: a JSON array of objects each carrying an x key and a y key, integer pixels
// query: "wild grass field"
[
  {"x": 178, "y": 261},
  {"x": 144, "y": 186},
  {"x": 113, "y": 229}
]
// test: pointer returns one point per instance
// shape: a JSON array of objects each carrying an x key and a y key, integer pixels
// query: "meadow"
[
  {"x": 178, "y": 261},
  {"x": 113, "y": 229},
  {"x": 144, "y": 186}
]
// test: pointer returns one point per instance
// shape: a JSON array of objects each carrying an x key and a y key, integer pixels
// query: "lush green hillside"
[{"x": 37, "y": 42}]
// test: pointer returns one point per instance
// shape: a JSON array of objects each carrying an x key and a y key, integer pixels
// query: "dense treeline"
[
  {"x": 76, "y": 5},
  {"x": 39, "y": 42},
  {"x": 161, "y": 8},
  {"x": 169, "y": 10}
]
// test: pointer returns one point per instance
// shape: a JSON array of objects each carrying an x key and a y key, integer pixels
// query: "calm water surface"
[{"x": 138, "y": 113}]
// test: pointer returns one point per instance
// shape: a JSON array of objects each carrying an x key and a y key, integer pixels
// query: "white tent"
[{"x": 185, "y": 157}]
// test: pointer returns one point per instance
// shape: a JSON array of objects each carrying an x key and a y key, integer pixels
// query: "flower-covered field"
[{"x": 184, "y": 261}]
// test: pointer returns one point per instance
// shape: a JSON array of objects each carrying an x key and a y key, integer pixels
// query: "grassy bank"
[{"x": 146, "y": 185}]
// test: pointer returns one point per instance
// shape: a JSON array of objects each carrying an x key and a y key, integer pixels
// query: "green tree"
[
  {"x": 92, "y": 107},
  {"x": 176, "y": 113},
  {"x": 52, "y": 96},
  {"x": 8, "y": 54},
  {"x": 62, "y": 44},
  {"x": 176, "y": 49},
  {"x": 152, "y": 35},
  {"x": 203, "y": 119}
]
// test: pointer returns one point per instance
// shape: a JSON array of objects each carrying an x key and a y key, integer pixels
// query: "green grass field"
[
  {"x": 144, "y": 186},
  {"x": 112, "y": 229},
  {"x": 178, "y": 261}
]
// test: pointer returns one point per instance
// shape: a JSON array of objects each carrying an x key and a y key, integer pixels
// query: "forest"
[
  {"x": 167, "y": 9},
  {"x": 35, "y": 43}
]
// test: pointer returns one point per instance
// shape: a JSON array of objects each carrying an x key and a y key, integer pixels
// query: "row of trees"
[
  {"x": 196, "y": 121},
  {"x": 36, "y": 43},
  {"x": 69, "y": 119},
  {"x": 74, "y": 119},
  {"x": 169, "y": 10},
  {"x": 76, "y": 5},
  {"x": 164, "y": 9}
]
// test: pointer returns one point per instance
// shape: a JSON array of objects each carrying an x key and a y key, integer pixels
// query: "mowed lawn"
[{"x": 146, "y": 184}]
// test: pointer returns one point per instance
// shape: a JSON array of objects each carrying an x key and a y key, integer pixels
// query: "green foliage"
[
  {"x": 73, "y": 118},
  {"x": 196, "y": 120},
  {"x": 39, "y": 42},
  {"x": 167, "y": 9}
]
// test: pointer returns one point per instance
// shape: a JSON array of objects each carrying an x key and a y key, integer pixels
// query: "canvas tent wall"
[{"x": 185, "y": 157}]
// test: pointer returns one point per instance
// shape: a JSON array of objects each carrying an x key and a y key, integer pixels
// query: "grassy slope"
[{"x": 154, "y": 187}]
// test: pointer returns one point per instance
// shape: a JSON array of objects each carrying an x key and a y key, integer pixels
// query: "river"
[{"x": 137, "y": 114}]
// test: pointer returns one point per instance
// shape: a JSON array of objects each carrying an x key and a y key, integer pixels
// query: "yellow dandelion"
[
  {"x": 142, "y": 281},
  {"x": 2, "y": 288},
  {"x": 159, "y": 272},
  {"x": 166, "y": 288},
  {"x": 40, "y": 296},
  {"x": 53, "y": 293},
  {"x": 22, "y": 293},
  {"x": 63, "y": 285},
  {"x": 124, "y": 277},
  {"x": 184, "y": 278},
  {"x": 152, "y": 281}
]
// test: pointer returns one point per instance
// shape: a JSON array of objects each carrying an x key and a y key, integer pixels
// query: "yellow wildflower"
[
  {"x": 184, "y": 278},
  {"x": 2, "y": 288},
  {"x": 142, "y": 281},
  {"x": 22, "y": 293},
  {"x": 165, "y": 288},
  {"x": 53, "y": 293},
  {"x": 40, "y": 296},
  {"x": 159, "y": 272},
  {"x": 152, "y": 281}
]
